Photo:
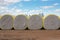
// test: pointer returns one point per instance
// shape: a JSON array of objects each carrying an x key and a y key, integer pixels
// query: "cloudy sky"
[{"x": 30, "y": 7}]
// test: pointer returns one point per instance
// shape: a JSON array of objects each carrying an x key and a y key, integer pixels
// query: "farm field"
[{"x": 29, "y": 34}]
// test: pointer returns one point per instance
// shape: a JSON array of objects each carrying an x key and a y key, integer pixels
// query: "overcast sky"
[{"x": 29, "y": 7}]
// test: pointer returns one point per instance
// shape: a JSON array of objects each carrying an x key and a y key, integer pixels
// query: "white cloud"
[
  {"x": 47, "y": 0},
  {"x": 12, "y": 1},
  {"x": 3, "y": 8},
  {"x": 57, "y": 10},
  {"x": 55, "y": 4},
  {"x": 15, "y": 11},
  {"x": 44, "y": 0},
  {"x": 46, "y": 7},
  {"x": 7, "y": 2},
  {"x": 31, "y": 12},
  {"x": 52, "y": 6},
  {"x": 27, "y": 0}
]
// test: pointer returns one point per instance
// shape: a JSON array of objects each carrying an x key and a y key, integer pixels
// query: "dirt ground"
[{"x": 29, "y": 34}]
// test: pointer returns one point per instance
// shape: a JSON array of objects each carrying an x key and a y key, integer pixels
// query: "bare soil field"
[{"x": 29, "y": 34}]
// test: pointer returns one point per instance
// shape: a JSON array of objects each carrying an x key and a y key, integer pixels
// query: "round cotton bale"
[
  {"x": 51, "y": 22},
  {"x": 59, "y": 21},
  {"x": 0, "y": 23},
  {"x": 20, "y": 22},
  {"x": 35, "y": 22},
  {"x": 6, "y": 22}
]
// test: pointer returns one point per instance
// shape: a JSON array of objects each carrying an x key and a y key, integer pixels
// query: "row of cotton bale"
[{"x": 31, "y": 22}]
